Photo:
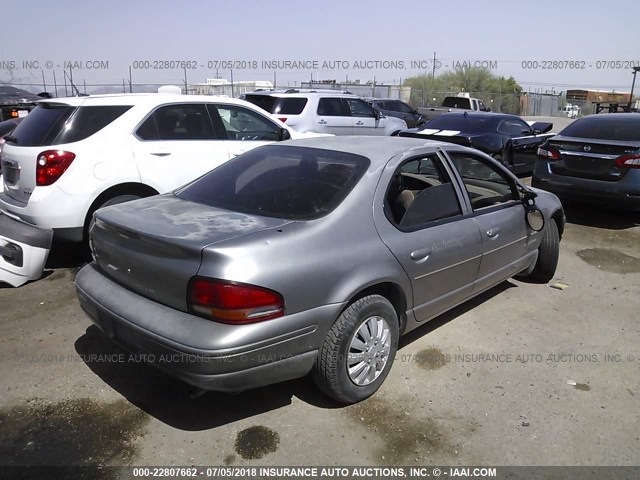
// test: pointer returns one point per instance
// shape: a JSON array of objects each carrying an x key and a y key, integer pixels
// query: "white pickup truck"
[{"x": 453, "y": 104}]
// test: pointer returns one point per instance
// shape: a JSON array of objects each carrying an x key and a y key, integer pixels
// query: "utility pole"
[
  {"x": 433, "y": 68},
  {"x": 635, "y": 70}
]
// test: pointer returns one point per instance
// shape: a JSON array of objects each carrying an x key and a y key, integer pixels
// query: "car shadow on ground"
[
  {"x": 170, "y": 401},
  {"x": 67, "y": 255},
  {"x": 446, "y": 317},
  {"x": 599, "y": 216}
]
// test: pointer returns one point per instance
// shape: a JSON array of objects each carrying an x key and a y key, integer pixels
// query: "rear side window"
[
  {"x": 420, "y": 192},
  {"x": 297, "y": 183},
  {"x": 89, "y": 120},
  {"x": 42, "y": 125},
  {"x": 625, "y": 128},
  {"x": 289, "y": 106},
  {"x": 178, "y": 122},
  {"x": 456, "y": 102},
  {"x": 333, "y": 107}
]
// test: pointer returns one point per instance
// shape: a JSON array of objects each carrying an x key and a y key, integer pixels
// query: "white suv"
[
  {"x": 71, "y": 156},
  {"x": 336, "y": 113}
]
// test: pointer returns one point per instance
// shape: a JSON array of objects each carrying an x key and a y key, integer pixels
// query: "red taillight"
[
  {"x": 628, "y": 161},
  {"x": 50, "y": 166},
  {"x": 548, "y": 153},
  {"x": 231, "y": 302},
  {"x": 282, "y": 119}
]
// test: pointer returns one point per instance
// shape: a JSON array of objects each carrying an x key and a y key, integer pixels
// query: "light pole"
[{"x": 635, "y": 70}]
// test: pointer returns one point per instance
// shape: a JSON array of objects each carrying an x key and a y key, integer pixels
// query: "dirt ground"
[{"x": 522, "y": 375}]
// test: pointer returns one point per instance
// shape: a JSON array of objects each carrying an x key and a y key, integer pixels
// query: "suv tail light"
[
  {"x": 629, "y": 161},
  {"x": 231, "y": 302},
  {"x": 548, "y": 153},
  {"x": 50, "y": 166}
]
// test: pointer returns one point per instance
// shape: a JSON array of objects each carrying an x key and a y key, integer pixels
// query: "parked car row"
[
  {"x": 270, "y": 253},
  {"x": 336, "y": 113}
]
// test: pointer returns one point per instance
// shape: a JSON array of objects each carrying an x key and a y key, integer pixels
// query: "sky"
[{"x": 545, "y": 45}]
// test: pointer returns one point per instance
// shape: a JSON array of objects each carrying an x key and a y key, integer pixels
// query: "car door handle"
[
  {"x": 322, "y": 122},
  {"x": 161, "y": 154},
  {"x": 359, "y": 122},
  {"x": 420, "y": 255},
  {"x": 493, "y": 232}
]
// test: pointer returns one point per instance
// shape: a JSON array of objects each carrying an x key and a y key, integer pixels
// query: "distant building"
[
  {"x": 596, "y": 96},
  {"x": 222, "y": 86}
]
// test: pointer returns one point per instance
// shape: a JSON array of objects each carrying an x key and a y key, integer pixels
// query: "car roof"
[
  {"x": 143, "y": 99},
  {"x": 613, "y": 117},
  {"x": 303, "y": 93},
  {"x": 378, "y": 149}
]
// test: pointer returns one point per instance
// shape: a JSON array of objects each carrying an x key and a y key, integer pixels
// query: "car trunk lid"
[
  {"x": 154, "y": 246},
  {"x": 591, "y": 158}
]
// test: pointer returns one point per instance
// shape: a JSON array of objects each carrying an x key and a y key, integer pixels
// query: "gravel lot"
[{"x": 518, "y": 376}]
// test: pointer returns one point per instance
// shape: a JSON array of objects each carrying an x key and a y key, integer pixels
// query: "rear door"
[
  {"x": 424, "y": 227},
  {"x": 364, "y": 118},
  {"x": 333, "y": 116},
  {"x": 500, "y": 215},
  {"x": 243, "y": 129},
  {"x": 176, "y": 144}
]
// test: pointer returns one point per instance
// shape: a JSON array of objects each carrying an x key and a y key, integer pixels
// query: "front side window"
[
  {"x": 243, "y": 124},
  {"x": 403, "y": 107},
  {"x": 420, "y": 192},
  {"x": 297, "y": 183},
  {"x": 486, "y": 184},
  {"x": 360, "y": 108},
  {"x": 188, "y": 121}
]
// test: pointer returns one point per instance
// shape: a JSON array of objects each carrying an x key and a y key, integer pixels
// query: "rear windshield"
[
  {"x": 459, "y": 122},
  {"x": 289, "y": 106},
  {"x": 265, "y": 102},
  {"x": 625, "y": 128},
  {"x": 297, "y": 183},
  {"x": 456, "y": 102},
  {"x": 56, "y": 123},
  {"x": 278, "y": 105}
]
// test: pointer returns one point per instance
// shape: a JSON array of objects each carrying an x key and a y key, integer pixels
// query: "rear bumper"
[
  {"x": 623, "y": 194},
  {"x": 24, "y": 249},
  {"x": 235, "y": 365}
]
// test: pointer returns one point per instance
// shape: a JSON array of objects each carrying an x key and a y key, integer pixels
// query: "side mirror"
[
  {"x": 283, "y": 134},
  {"x": 535, "y": 218},
  {"x": 488, "y": 110},
  {"x": 376, "y": 114}
]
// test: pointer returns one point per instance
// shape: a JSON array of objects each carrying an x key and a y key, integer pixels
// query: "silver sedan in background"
[{"x": 312, "y": 256}]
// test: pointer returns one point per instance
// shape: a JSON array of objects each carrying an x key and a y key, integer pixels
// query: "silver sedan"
[{"x": 312, "y": 256}]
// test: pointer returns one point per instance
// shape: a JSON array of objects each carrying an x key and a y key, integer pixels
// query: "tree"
[{"x": 498, "y": 93}]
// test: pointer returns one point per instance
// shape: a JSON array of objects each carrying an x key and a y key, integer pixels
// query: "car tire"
[
  {"x": 373, "y": 315},
  {"x": 548, "y": 253}
]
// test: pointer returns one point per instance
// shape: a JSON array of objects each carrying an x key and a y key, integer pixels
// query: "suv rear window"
[
  {"x": 625, "y": 128},
  {"x": 265, "y": 102},
  {"x": 57, "y": 123},
  {"x": 297, "y": 183},
  {"x": 278, "y": 105},
  {"x": 289, "y": 106}
]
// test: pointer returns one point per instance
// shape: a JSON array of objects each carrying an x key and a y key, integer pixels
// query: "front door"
[
  {"x": 424, "y": 227},
  {"x": 499, "y": 214}
]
